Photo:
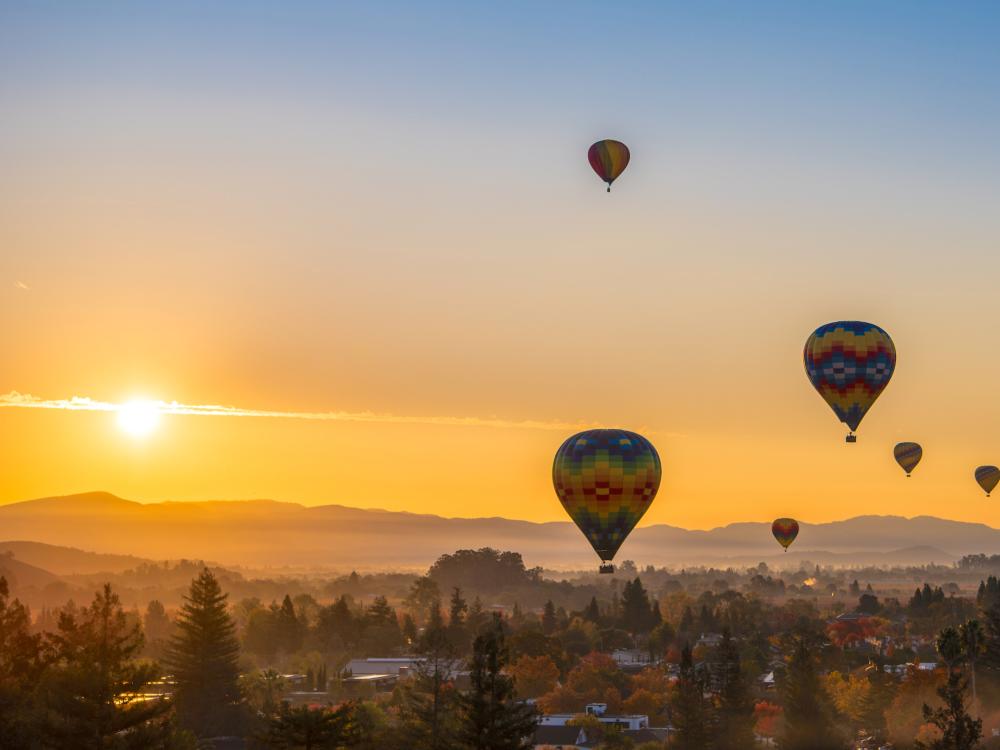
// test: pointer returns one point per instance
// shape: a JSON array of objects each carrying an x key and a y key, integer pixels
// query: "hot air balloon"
[
  {"x": 988, "y": 476},
  {"x": 606, "y": 480},
  {"x": 609, "y": 159},
  {"x": 849, "y": 363},
  {"x": 785, "y": 530},
  {"x": 908, "y": 455}
]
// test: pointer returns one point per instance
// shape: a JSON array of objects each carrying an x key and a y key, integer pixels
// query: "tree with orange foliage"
[
  {"x": 534, "y": 676},
  {"x": 767, "y": 719},
  {"x": 905, "y": 714},
  {"x": 596, "y": 679}
]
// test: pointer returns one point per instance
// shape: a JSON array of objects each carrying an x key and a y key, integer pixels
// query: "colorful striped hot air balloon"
[
  {"x": 908, "y": 455},
  {"x": 987, "y": 476},
  {"x": 606, "y": 480},
  {"x": 609, "y": 159},
  {"x": 850, "y": 364},
  {"x": 785, "y": 530}
]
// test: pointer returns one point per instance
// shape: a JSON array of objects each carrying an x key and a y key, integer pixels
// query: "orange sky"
[{"x": 417, "y": 233}]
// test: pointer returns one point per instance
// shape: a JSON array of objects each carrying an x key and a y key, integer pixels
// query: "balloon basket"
[
  {"x": 851, "y": 438},
  {"x": 606, "y": 569}
]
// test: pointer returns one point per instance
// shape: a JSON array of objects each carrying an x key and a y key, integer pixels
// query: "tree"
[
  {"x": 491, "y": 718},
  {"x": 428, "y": 714},
  {"x": 959, "y": 731},
  {"x": 203, "y": 658},
  {"x": 262, "y": 690},
  {"x": 534, "y": 676},
  {"x": 689, "y": 710},
  {"x": 809, "y": 723},
  {"x": 592, "y": 613},
  {"x": 423, "y": 595},
  {"x": 91, "y": 696},
  {"x": 734, "y": 718},
  {"x": 156, "y": 628},
  {"x": 22, "y": 660},
  {"x": 459, "y": 607},
  {"x": 972, "y": 636},
  {"x": 308, "y": 728},
  {"x": 288, "y": 630},
  {"x": 639, "y": 615},
  {"x": 549, "y": 622}
]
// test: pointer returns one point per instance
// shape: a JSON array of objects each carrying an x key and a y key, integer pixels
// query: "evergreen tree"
[
  {"x": 155, "y": 628},
  {"x": 637, "y": 611},
  {"x": 549, "y": 622},
  {"x": 308, "y": 728},
  {"x": 491, "y": 718},
  {"x": 972, "y": 636},
  {"x": 458, "y": 608},
  {"x": 592, "y": 613},
  {"x": 428, "y": 714},
  {"x": 409, "y": 629},
  {"x": 687, "y": 622},
  {"x": 689, "y": 712},
  {"x": 809, "y": 723},
  {"x": 734, "y": 720},
  {"x": 288, "y": 631},
  {"x": 22, "y": 660},
  {"x": 959, "y": 731},
  {"x": 203, "y": 658},
  {"x": 90, "y": 695}
]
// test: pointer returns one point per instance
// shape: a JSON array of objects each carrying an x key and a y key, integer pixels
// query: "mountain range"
[{"x": 260, "y": 534}]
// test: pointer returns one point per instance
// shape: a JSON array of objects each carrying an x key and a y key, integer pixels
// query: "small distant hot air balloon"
[
  {"x": 850, "y": 364},
  {"x": 908, "y": 455},
  {"x": 606, "y": 480},
  {"x": 785, "y": 530},
  {"x": 609, "y": 159},
  {"x": 987, "y": 476}
]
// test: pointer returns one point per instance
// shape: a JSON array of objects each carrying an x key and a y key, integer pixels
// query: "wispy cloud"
[
  {"x": 21, "y": 285},
  {"x": 15, "y": 400}
]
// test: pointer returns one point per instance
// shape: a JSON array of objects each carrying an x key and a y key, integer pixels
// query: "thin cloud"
[
  {"x": 15, "y": 400},
  {"x": 21, "y": 285}
]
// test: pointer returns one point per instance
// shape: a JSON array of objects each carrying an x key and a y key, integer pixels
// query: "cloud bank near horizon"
[{"x": 16, "y": 400}]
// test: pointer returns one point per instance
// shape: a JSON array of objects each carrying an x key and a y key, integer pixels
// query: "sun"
[{"x": 139, "y": 418}]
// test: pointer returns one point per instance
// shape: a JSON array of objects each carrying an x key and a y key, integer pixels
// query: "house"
[
  {"x": 560, "y": 737},
  {"x": 627, "y": 722},
  {"x": 709, "y": 640},
  {"x": 632, "y": 657}
]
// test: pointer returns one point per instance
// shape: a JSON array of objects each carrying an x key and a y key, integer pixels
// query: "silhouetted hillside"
[{"x": 265, "y": 533}]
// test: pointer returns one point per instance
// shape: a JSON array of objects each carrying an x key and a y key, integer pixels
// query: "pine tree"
[
  {"x": 22, "y": 660},
  {"x": 90, "y": 696},
  {"x": 637, "y": 611},
  {"x": 203, "y": 658},
  {"x": 734, "y": 721},
  {"x": 287, "y": 629},
  {"x": 458, "y": 608},
  {"x": 428, "y": 714},
  {"x": 549, "y": 618},
  {"x": 809, "y": 723},
  {"x": 959, "y": 731},
  {"x": 308, "y": 728},
  {"x": 491, "y": 718},
  {"x": 592, "y": 613},
  {"x": 689, "y": 711}
]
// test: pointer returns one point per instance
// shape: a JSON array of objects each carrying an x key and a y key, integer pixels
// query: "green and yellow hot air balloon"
[{"x": 606, "y": 480}]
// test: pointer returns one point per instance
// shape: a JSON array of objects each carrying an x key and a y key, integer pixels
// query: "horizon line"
[{"x": 375, "y": 509}]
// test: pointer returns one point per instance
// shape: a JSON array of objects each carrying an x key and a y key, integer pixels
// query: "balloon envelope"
[
  {"x": 850, "y": 364},
  {"x": 609, "y": 159},
  {"x": 606, "y": 480},
  {"x": 785, "y": 530},
  {"x": 908, "y": 455},
  {"x": 988, "y": 476}
]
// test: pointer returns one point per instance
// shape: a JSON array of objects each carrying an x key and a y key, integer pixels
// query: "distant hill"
[
  {"x": 20, "y": 574},
  {"x": 68, "y": 560},
  {"x": 265, "y": 533}
]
